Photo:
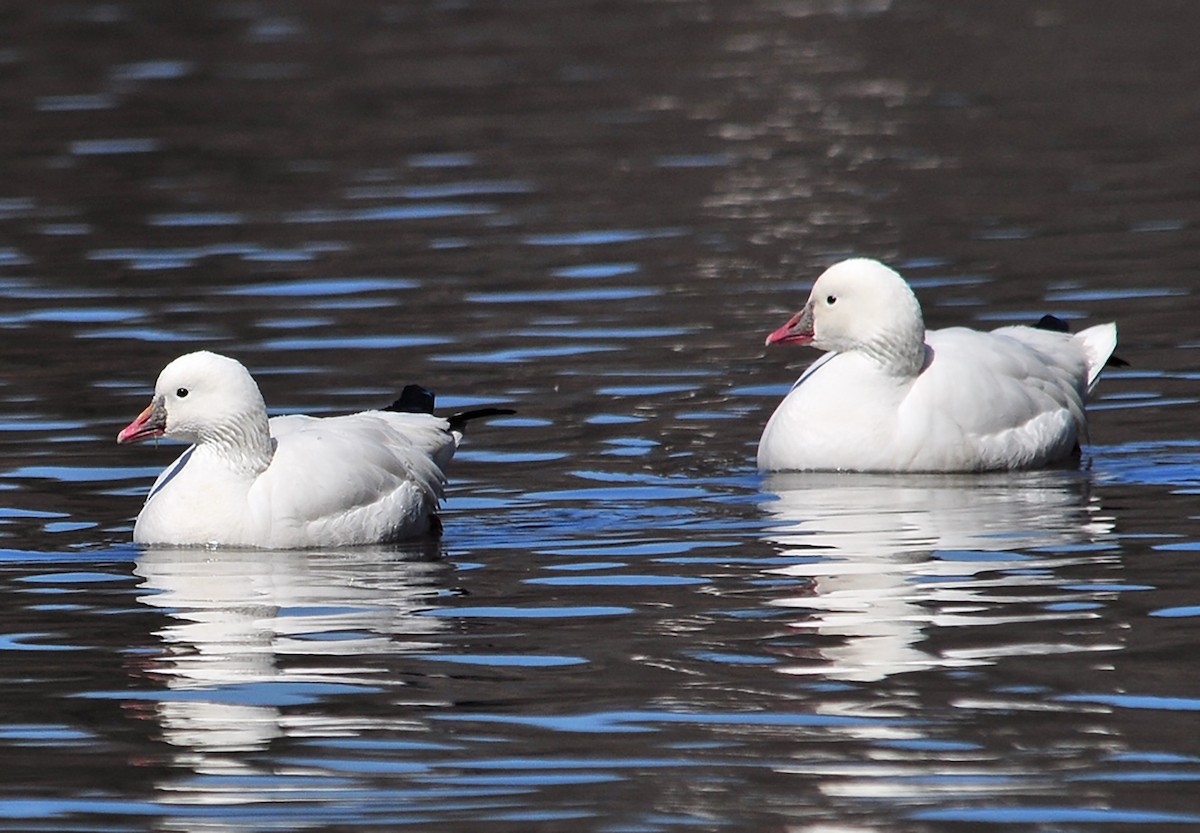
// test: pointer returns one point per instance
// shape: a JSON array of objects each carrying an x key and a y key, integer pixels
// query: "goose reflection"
[
  {"x": 884, "y": 560},
  {"x": 249, "y": 633}
]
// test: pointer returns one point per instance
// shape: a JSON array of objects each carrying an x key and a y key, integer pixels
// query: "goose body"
[
  {"x": 289, "y": 481},
  {"x": 890, "y": 396}
]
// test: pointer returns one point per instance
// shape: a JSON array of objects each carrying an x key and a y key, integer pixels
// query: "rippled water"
[{"x": 593, "y": 213}]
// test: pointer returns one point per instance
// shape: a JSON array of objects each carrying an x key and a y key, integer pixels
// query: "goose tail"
[{"x": 1098, "y": 344}]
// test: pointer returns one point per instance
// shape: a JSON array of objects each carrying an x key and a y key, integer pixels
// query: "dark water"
[{"x": 593, "y": 212}]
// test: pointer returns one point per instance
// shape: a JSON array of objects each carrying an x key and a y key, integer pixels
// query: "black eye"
[
  {"x": 831, "y": 300},
  {"x": 182, "y": 392}
]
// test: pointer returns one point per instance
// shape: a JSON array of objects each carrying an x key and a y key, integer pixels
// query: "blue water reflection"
[
  {"x": 250, "y": 633},
  {"x": 885, "y": 561}
]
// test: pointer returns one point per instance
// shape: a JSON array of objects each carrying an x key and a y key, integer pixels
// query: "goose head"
[
  {"x": 860, "y": 304},
  {"x": 204, "y": 398}
]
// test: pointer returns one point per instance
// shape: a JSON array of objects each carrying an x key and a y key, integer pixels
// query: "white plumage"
[
  {"x": 289, "y": 481},
  {"x": 891, "y": 396}
]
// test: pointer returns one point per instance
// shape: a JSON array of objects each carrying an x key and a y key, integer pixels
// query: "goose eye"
[
  {"x": 182, "y": 392},
  {"x": 831, "y": 300}
]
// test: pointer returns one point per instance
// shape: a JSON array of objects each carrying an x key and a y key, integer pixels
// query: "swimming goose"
[
  {"x": 289, "y": 481},
  {"x": 891, "y": 396}
]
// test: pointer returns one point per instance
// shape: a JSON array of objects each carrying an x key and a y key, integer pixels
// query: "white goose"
[
  {"x": 290, "y": 481},
  {"x": 891, "y": 396}
]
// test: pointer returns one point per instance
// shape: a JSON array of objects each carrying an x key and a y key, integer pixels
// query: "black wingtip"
[
  {"x": 414, "y": 399},
  {"x": 459, "y": 421},
  {"x": 1057, "y": 325},
  {"x": 1053, "y": 324}
]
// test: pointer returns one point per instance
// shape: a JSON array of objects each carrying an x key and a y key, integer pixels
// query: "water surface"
[{"x": 593, "y": 214}]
